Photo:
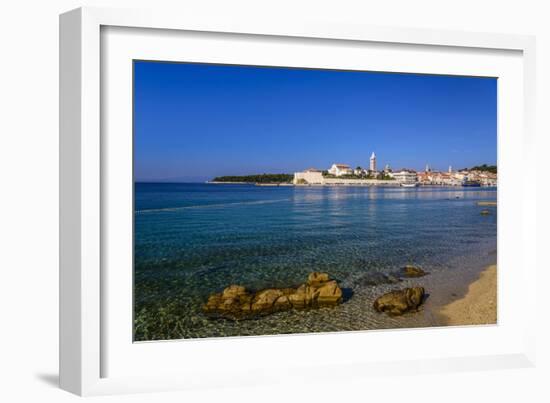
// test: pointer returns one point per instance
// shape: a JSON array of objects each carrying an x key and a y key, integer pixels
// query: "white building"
[
  {"x": 405, "y": 176},
  {"x": 461, "y": 175},
  {"x": 372, "y": 165},
  {"x": 340, "y": 169}
]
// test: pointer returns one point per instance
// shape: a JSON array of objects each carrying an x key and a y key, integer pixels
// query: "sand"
[{"x": 478, "y": 306}]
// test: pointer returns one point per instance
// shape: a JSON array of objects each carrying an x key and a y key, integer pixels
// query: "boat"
[
  {"x": 471, "y": 183},
  {"x": 410, "y": 185}
]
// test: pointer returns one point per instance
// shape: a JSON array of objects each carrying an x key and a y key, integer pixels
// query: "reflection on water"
[{"x": 194, "y": 239}]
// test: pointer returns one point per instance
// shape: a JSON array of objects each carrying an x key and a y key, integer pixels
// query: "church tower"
[{"x": 372, "y": 165}]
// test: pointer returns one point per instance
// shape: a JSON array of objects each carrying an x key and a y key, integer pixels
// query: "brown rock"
[
  {"x": 282, "y": 303},
  {"x": 329, "y": 293},
  {"x": 398, "y": 302},
  {"x": 265, "y": 300},
  {"x": 317, "y": 278},
  {"x": 413, "y": 271},
  {"x": 235, "y": 302},
  {"x": 233, "y": 291},
  {"x": 298, "y": 299},
  {"x": 213, "y": 301}
]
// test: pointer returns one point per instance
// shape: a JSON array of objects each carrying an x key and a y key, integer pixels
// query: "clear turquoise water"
[{"x": 195, "y": 239}]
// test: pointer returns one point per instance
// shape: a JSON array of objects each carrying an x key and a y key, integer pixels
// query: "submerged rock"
[
  {"x": 398, "y": 302},
  {"x": 485, "y": 212},
  {"x": 377, "y": 278},
  {"x": 235, "y": 302},
  {"x": 412, "y": 271}
]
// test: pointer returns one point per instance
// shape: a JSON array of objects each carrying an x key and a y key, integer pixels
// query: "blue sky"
[{"x": 196, "y": 121}]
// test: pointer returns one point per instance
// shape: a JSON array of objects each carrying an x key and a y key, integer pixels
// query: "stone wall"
[{"x": 312, "y": 178}]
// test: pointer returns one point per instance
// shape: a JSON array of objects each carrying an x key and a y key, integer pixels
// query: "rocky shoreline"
[{"x": 235, "y": 302}]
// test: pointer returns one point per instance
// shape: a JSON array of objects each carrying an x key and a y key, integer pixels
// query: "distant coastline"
[
  {"x": 346, "y": 183},
  {"x": 229, "y": 183},
  {"x": 342, "y": 175},
  {"x": 333, "y": 182}
]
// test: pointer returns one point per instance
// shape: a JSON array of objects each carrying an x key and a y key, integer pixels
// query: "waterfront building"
[
  {"x": 483, "y": 177},
  {"x": 461, "y": 175},
  {"x": 444, "y": 178},
  {"x": 340, "y": 170},
  {"x": 372, "y": 165},
  {"x": 455, "y": 178},
  {"x": 359, "y": 171},
  {"x": 488, "y": 179},
  {"x": 405, "y": 176},
  {"x": 424, "y": 178}
]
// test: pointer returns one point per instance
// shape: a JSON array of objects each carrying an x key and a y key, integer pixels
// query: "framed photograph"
[{"x": 255, "y": 192}]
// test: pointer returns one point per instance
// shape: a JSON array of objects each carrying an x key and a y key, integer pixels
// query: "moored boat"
[{"x": 471, "y": 183}]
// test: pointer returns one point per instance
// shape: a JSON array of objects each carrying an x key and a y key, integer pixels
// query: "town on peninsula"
[{"x": 340, "y": 174}]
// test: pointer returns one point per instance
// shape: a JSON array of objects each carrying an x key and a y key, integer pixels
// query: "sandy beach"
[{"x": 479, "y": 305}]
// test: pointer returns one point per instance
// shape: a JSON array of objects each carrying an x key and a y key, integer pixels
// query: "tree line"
[
  {"x": 485, "y": 168},
  {"x": 260, "y": 178}
]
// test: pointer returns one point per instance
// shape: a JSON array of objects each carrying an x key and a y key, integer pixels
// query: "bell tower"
[{"x": 372, "y": 165}]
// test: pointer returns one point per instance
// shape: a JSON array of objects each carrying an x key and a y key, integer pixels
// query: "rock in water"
[
  {"x": 232, "y": 301},
  {"x": 234, "y": 291},
  {"x": 235, "y": 302},
  {"x": 264, "y": 301},
  {"x": 398, "y": 302},
  {"x": 328, "y": 294},
  {"x": 377, "y": 278},
  {"x": 412, "y": 271},
  {"x": 317, "y": 278},
  {"x": 485, "y": 212}
]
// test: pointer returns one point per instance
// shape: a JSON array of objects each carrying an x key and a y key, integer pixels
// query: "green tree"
[{"x": 259, "y": 178}]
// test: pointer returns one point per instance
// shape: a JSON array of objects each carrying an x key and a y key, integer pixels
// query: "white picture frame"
[{"x": 88, "y": 335}]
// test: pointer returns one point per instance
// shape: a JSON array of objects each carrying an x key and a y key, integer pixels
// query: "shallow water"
[{"x": 195, "y": 239}]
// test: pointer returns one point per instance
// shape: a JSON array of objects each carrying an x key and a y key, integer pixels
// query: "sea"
[{"x": 194, "y": 239}]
